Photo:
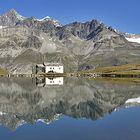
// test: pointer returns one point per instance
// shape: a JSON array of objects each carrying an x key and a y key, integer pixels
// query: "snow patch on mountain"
[
  {"x": 2, "y": 27},
  {"x": 2, "y": 113},
  {"x": 20, "y": 17},
  {"x": 133, "y": 100},
  {"x": 133, "y": 39},
  {"x": 47, "y": 18}
]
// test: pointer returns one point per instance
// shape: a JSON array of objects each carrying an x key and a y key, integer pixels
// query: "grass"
[
  {"x": 3, "y": 72},
  {"x": 117, "y": 80},
  {"x": 129, "y": 69}
]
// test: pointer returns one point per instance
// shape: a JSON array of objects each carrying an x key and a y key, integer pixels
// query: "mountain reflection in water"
[{"x": 23, "y": 100}]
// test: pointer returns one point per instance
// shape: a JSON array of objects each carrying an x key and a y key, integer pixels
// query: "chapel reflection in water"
[{"x": 51, "y": 81}]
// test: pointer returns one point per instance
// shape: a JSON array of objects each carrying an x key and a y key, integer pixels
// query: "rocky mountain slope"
[{"x": 25, "y": 42}]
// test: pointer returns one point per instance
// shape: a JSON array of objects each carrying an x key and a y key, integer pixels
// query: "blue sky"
[{"x": 123, "y": 15}]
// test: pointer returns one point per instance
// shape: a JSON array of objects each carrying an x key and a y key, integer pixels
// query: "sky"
[{"x": 123, "y": 15}]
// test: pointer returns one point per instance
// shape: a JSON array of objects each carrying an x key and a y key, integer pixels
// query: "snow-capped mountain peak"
[
  {"x": 48, "y": 18},
  {"x": 10, "y": 18},
  {"x": 13, "y": 12}
]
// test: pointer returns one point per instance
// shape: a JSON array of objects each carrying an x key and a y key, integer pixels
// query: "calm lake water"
[{"x": 69, "y": 109}]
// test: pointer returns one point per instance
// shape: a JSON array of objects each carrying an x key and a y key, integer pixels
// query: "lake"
[{"x": 69, "y": 109}]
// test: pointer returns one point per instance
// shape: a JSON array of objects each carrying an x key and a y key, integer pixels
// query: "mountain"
[
  {"x": 26, "y": 41},
  {"x": 10, "y": 19}
]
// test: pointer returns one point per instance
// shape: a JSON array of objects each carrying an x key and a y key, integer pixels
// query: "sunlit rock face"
[
  {"x": 23, "y": 101},
  {"x": 26, "y": 41}
]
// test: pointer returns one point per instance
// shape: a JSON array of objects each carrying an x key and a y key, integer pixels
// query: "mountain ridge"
[{"x": 27, "y": 41}]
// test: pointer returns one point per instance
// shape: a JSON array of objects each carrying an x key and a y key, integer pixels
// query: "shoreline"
[{"x": 91, "y": 75}]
